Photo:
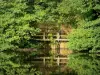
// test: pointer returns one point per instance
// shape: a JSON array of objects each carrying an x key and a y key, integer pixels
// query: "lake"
[{"x": 77, "y": 64}]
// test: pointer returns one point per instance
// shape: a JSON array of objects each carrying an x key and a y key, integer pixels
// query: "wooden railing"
[{"x": 45, "y": 37}]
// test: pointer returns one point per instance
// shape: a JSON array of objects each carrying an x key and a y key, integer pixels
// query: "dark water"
[{"x": 78, "y": 64}]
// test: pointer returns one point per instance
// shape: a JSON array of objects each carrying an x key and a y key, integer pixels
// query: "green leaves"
[
  {"x": 15, "y": 22},
  {"x": 15, "y": 32},
  {"x": 85, "y": 37},
  {"x": 84, "y": 64}
]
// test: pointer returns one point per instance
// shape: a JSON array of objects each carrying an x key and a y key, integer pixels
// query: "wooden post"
[
  {"x": 58, "y": 35},
  {"x": 44, "y": 60},
  {"x": 44, "y": 36},
  {"x": 58, "y": 61}
]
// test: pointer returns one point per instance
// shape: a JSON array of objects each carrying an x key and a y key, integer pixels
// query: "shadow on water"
[
  {"x": 51, "y": 68},
  {"x": 78, "y": 64},
  {"x": 56, "y": 70}
]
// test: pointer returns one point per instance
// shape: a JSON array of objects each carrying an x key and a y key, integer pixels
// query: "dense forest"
[{"x": 19, "y": 20}]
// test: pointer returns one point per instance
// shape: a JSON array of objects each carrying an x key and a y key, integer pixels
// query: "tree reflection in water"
[
  {"x": 85, "y": 64},
  {"x": 78, "y": 64}
]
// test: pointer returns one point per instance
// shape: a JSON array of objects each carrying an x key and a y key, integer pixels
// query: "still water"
[{"x": 78, "y": 64}]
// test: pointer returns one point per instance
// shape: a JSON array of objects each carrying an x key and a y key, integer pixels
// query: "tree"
[
  {"x": 86, "y": 36},
  {"x": 18, "y": 24},
  {"x": 15, "y": 33}
]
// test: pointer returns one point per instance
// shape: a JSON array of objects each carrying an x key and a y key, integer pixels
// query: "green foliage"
[
  {"x": 15, "y": 32},
  {"x": 15, "y": 27},
  {"x": 16, "y": 63},
  {"x": 19, "y": 71},
  {"x": 18, "y": 25},
  {"x": 19, "y": 20},
  {"x": 73, "y": 11},
  {"x": 84, "y": 64},
  {"x": 70, "y": 11},
  {"x": 86, "y": 37}
]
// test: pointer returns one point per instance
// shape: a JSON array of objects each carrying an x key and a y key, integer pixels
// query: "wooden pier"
[
  {"x": 60, "y": 40},
  {"x": 57, "y": 37}
]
